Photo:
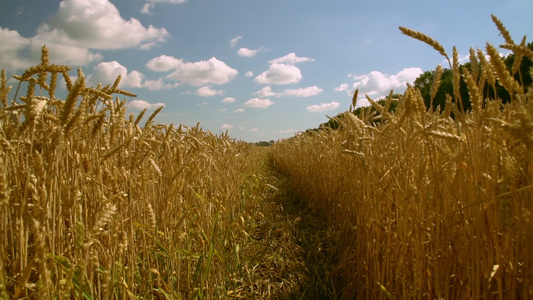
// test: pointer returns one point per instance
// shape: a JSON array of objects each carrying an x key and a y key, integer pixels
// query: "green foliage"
[{"x": 264, "y": 143}]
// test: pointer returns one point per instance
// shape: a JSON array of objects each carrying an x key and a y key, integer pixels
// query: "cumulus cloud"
[
  {"x": 266, "y": 92},
  {"x": 77, "y": 31},
  {"x": 234, "y": 41},
  {"x": 239, "y": 110},
  {"x": 282, "y": 70},
  {"x": 150, "y": 4},
  {"x": 107, "y": 72},
  {"x": 290, "y": 59},
  {"x": 228, "y": 100},
  {"x": 207, "y": 91},
  {"x": 226, "y": 126},
  {"x": 304, "y": 92},
  {"x": 12, "y": 44},
  {"x": 245, "y": 52},
  {"x": 323, "y": 107},
  {"x": 212, "y": 71},
  {"x": 301, "y": 92},
  {"x": 97, "y": 24},
  {"x": 258, "y": 103},
  {"x": 158, "y": 85},
  {"x": 142, "y": 104},
  {"x": 249, "y": 74},
  {"x": 342, "y": 87},
  {"x": 279, "y": 73},
  {"x": 163, "y": 63},
  {"x": 378, "y": 85}
]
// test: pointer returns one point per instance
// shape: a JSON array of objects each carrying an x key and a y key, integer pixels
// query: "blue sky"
[{"x": 263, "y": 70}]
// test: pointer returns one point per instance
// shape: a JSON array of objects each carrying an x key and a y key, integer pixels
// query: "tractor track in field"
[{"x": 291, "y": 229}]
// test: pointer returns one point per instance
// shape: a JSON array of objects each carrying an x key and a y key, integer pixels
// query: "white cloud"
[
  {"x": 266, "y": 92},
  {"x": 239, "y": 110},
  {"x": 74, "y": 33},
  {"x": 323, "y": 107},
  {"x": 226, "y": 126},
  {"x": 212, "y": 71},
  {"x": 279, "y": 73},
  {"x": 61, "y": 49},
  {"x": 158, "y": 85},
  {"x": 97, "y": 24},
  {"x": 304, "y": 92},
  {"x": 249, "y": 74},
  {"x": 207, "y": 91},
  {"x": 163, "y": 63},
  {"x": 376, "y": 84},
  {"x": 228, "y": 100},
  {"x": 107, "y": 72},
  {"x": 342, "y": 87},
  {"x": 258, "y": 103},
  {"x": 245, "y": 52},
  {"x": 150, "y": 4},
  {"x": 142, "y": 104},
  {"x": 12, "y": 44},
  {"x": 301, "y": 92},
  {"x": 290, "y": 59},
  {"x": 234, "y": 41}
]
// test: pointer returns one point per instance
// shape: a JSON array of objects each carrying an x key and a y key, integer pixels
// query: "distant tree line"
[{"x": 264, "y": 143}]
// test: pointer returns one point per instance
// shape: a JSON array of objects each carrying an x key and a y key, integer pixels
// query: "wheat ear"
[
  {"x": 152, "y": 116},
  {"x": 426, "y": 39},
  {"x": 457, "y": 79},
  {"x": 503, "y": 30},
  {"x": 486, "y": 67},
  {"x": 474, "y": 63},
  {"x": 435, "y": 84},
  {"x": 502, "y": 72},
  {"x": 70, "y": 102},
  {"x": 519, "y": 49},
  {"x": 475, "y": 96},
  {"x": 354, "y": 99}
]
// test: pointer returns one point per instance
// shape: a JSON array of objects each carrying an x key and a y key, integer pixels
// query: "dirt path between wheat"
[{"x": 299, "y": 254}]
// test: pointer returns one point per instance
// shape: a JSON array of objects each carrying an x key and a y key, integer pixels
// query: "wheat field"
[
  {"x": 417, "y": 203},
  {"x": 429, "y": 206}
]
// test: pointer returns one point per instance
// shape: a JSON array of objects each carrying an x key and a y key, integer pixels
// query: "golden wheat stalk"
[
  {"x": 474, "y": 64},
  {"x": 435, "y": 84},
  {"x": 457, "y": 79},
  {"x": 426, "y": 39},
  {"x": 152, "y": 116},
  {"x": 473, "y": 90},
  {"x": 522, "y": 49},
  {"x": 354, "y": 99},
  {"x": 503, "y": 75},
  {"x": 502, "y": 29},
  {"x": 518, "y": 59},
  {"x": 486, "y": 67},
  {"x": 70, "y": 101}
]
